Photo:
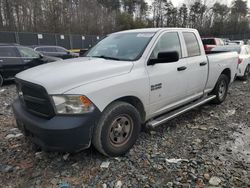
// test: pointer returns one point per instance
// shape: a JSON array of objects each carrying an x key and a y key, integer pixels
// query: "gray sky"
[{"x": 179, "y": 2}]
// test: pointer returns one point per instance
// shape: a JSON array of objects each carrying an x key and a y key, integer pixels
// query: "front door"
[{"x": 168, "y": 81}]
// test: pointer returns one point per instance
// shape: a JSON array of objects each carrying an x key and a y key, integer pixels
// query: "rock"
[
  {"x": 6, "y": 168},
  {"x": 18, "y": 135},
  {"x": 198, "y": 141},
  {"x": 118, "y": 184},
  {"x": 214, "y": 181},
  {"x": 170, "y": 184},
  {"x": 230, "y": 113},
  {"x": 203, "y": 128},
  {"x": 64, "y": 185},
  {"x": 200, "y": 183},
  {"x": 9, "y": 136},
  {"x": 105, "y": 164},
  {"x": 194, "y": 177},
  {"x": 158, "y": 166},
  {"x": 14, "y": 130},
  {"x": 175, "y": 160},
  {"x": 104, "y": 185},
  {"x": 66, "y": 156},
  {"x": 153, "y": 132},
  {"x": 39, "y": 155},
  {"x": 229, "y": 150},
  {"x": 206, "y": 176}
]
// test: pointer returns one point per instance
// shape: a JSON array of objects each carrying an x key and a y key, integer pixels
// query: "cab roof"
[{"x": 154, "y": 30}]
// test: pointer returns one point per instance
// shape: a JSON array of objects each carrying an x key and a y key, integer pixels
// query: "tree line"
[{"x": 106, "y": 16}]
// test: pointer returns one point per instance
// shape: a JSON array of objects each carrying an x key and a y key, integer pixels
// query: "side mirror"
[
  {"x": 165, "y": 57},
  {"x": 41, "y": 55}
]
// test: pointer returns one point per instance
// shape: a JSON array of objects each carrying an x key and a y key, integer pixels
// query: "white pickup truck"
[{"x": 130, "y": 79}]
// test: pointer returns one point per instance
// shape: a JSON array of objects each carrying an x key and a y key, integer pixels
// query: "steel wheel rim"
[
  {"x": 222, "y": 89},
  {"x": 121, "y": 130}
]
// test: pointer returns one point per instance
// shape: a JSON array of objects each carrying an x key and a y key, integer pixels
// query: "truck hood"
[{"x": 61, "y": 76}]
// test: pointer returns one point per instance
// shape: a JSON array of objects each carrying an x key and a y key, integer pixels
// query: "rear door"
[
  {"x": 168, "y": 81},
  {"x": 10, "y": 61},
  {"x": 197, "y": 65}
]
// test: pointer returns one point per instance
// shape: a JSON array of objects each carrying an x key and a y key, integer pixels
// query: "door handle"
[
  {"x": 1, "y": 60},
  {"x": 203, "y": 63},
  {"x": 181, "y": 68}
]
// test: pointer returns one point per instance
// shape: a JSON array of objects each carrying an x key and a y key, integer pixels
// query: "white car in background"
[
  {"x": 244, "y": 58},
  {"x": 239, "y": 42}
]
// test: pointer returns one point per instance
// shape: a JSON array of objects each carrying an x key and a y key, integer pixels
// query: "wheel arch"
[
  {"x": 134, "y": 101},
  {"x": 227, "y": 72}
]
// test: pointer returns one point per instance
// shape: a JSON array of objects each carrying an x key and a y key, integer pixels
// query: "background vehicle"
[
  {"x": 210, "y": 43},
  {"x": 81, "y": 52},
  {"x": 134, "y": 77},
  {"x": 244, "y": 58},
  {"x": 15, "y": 58},
  {"x": 55, "y": 51},
  {"x": 239, "y": 42}
]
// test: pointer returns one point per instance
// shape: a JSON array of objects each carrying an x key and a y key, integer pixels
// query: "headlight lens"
[{"x": 72, "y": 104}]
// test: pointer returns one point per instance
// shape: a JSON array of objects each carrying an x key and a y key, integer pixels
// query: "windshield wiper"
[{"x": 107, "y": 57}]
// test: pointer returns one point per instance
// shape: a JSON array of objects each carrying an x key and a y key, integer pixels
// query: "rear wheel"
[
  {"x": 246, "y": 73},
  {"x": 117, "y": 130},
  {"x": 1, "y": 80},
  {"x": 221, "y": 89}
]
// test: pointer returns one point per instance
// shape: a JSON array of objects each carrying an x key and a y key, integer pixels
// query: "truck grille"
[{"x": 35, "y": 98}]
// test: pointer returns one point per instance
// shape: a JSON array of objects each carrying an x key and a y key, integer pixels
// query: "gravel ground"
[{"x": 206, "y": 147}]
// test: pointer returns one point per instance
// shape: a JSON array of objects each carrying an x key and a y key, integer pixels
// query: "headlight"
[{"x": 72, "y": 104}]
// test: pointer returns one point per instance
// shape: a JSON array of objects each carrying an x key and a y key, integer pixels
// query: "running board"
[{"x": 166, "y": 117}]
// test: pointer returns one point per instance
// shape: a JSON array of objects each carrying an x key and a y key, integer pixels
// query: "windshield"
[{"x": 122, "y": 46}]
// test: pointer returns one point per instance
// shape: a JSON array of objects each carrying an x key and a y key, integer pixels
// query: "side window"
[
  {"x": 193, "y": 47},
  {"x": 167, "y": 43},
  {"x": 61, "y": 50},
  {"x": 47, "y": 49},
  {"x": 8, "y": 52},
  {"x": 50, "y": 49},
  {"x": 40, "y": 49},
  {"x": 28, "y": 52}
]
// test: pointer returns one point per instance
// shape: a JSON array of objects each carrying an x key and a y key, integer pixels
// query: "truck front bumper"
[{"x": 65, "y": 133}]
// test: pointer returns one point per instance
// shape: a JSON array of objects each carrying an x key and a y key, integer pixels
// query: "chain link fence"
[{"x": 64, "y": 40}]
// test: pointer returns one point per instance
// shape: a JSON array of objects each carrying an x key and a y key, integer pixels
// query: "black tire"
[
  {"x": 110, "y": 129},
  {"x": 221, "y": 89},
  {"x": 246, "y": 74},
  {"x": 1, "y": 80}
]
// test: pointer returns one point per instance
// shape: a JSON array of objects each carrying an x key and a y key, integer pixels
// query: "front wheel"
[
  {"x": 221, "y": 89},
  {"x": 117, "y": 129}
]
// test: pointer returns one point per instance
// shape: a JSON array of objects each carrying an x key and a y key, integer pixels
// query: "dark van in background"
[
  {"x": 15, "y": 58},
  {"x": 55, "y": 51}
]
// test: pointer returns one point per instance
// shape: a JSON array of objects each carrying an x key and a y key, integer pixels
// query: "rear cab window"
[
  {"x": 208, "y": 41},
  {"x": 8, "y": 52},
  {"x": 192, "y": 44}
]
